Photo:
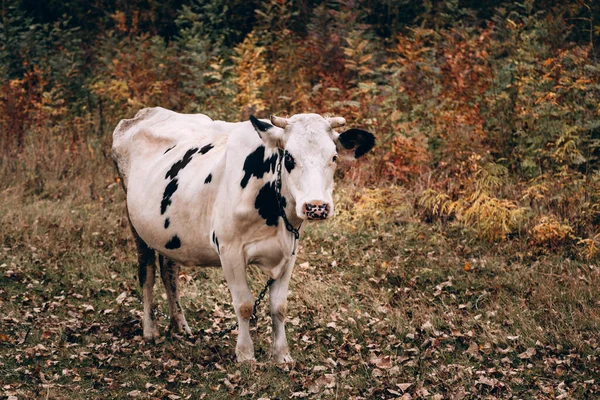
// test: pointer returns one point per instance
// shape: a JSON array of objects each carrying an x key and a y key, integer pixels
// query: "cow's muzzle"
[{"x": 316, "y": 210}]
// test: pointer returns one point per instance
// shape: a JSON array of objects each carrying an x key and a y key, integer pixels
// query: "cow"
[{"x": 203, "y": 192}]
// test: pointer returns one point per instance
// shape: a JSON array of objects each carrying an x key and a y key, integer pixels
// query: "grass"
[{"x": 382, "y": 305}]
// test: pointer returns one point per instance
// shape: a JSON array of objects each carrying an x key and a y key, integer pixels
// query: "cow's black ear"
[
  {"x": 355, "y": 143},
  {"x": 259, "y": 125},
  {"x": 270, "y": 135}
]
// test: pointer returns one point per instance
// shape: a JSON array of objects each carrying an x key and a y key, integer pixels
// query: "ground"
[{"x": 383, "y": 304}]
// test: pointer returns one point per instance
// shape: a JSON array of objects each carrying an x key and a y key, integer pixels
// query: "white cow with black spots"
[{"x": 204, "y": 193}]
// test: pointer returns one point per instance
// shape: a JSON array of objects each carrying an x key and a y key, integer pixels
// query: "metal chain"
[
  {"x": 288, "y": 224},
  {"x": 224, "y": 332},
  {"x": 155, "y": 310},
  {"x": 261, "y": 296},
  {"x": 253, "y": 318}
]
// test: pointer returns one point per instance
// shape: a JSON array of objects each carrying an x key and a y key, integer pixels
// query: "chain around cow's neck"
[{"x": 288, "y": 224}]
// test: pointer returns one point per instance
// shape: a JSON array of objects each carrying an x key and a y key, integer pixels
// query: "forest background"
[{"x": 483, "y": 190}]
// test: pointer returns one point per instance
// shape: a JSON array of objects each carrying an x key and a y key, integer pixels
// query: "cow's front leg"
[
  {"x": 278, "y": 304},
  {"x": 169, "y": 271},
  {"x": 234, "y": 269}
]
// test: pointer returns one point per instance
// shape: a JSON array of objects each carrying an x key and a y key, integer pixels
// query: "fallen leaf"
[
  {"x": 487, "y": 381},
  {"x": 299, "y": 394},
  {"x": 121, "y": 297},
  {"x": 473, "y": 350},
  {"x": 527, "y": 354},
  {"x": 461, "y": 394},
  {"x": 329, "y": 380},
  {"x": 383, "y": 362},
  {"x": 87, "y": 308},
  {"x": 427, "y": 326}
]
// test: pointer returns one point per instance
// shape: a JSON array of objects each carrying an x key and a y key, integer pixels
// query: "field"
[
  {"x": 463, "y": 260},
  {"x": 382, "y": 305}
]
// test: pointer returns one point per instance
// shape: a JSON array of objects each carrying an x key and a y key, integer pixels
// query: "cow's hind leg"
[
  {"x": 146, "y": 274},
  {"x": 169, "y": 271}
]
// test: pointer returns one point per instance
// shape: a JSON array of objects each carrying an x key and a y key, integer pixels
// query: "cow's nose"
[{"x": 316, "y": 209}]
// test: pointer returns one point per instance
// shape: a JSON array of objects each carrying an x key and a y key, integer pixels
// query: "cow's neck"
[
  {"x": 290, "y": 201},
  {"x": 290, "y": 206}
]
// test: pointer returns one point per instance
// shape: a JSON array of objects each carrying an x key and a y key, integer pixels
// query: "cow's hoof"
[
  {"x": 284, "y": 359},
  {"x": 247, "y": 355},
  {"x": 186, "y": 329},
  {"x": 244, "y": 351},
  {"x": 180, "y": 328},
  {"x": 151, "y": 334},
  {"x": 245, "y": 358}
]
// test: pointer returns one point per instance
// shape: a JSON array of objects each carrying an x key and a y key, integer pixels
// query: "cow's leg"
[
  {"x": 278, "y": 304},
  {"x": 146, "y": 274},
  {"x": 234, "y": 269},
  {"x": 169, "y": 272}
]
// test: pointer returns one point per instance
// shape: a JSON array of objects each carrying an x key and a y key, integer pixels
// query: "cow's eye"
[
  {"x": 335, "y": 158},
  {"x": 289, "y": 162}
]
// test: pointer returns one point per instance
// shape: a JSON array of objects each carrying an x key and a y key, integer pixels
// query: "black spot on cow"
[
  {"x": 256, "y": 165},
  {"x": 167, "y": 223},
  {"x": 166, "y": 200},
  {"x": 172, "y": 280},
  {"x": 208, "y": 178},
  {"x": 289, "y": 162},
  {"x": 267, "y": 205},
  {"x": 142, "y": 274},
  {"x": 174, "y": 243},
  {"x": 258, "y": 124},
  {"x": 179, "y": 165},
  {"x": 216, "y": 242},
  {"x": 146, "y": 257},
  {"x": 205, "y": 149},
  {"x": 169, "y": 149}
]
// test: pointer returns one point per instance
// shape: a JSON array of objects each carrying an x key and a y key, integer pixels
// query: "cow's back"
[{"x": 151, "y": 132}]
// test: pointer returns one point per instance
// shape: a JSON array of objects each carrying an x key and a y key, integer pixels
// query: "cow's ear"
[
  {"x": 271, "y": 135},
  {"x": 354, "y": 143}
]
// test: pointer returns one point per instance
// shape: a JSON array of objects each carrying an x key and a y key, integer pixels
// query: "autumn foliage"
[{"x": 491, "y": 115}]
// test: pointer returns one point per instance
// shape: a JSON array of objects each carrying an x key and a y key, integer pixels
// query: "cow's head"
[{"x": 312, "y": 148}]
